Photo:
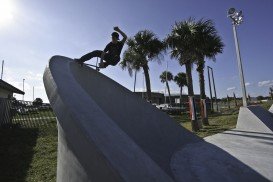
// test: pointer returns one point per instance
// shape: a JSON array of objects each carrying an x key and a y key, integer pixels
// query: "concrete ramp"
[
  {"x": 107, "y": 133},
  {"x": 271, "y": 109},
  {"x": 255, "y": 118}
]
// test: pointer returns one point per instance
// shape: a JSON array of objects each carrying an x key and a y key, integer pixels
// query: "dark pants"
[{"x": 97, "y": 53}]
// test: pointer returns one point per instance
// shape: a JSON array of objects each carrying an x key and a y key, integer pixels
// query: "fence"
[{"x": 25, "y": 114}]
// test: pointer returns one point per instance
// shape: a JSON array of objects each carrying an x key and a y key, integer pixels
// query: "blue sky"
[{"x": 32, "y": 31}]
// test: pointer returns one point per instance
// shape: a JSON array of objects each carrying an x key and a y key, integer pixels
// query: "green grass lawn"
[
  {"x": 35, "y": 114},
  {"x": 28, "y": 152},
  {"x": 219, "y": 122}
]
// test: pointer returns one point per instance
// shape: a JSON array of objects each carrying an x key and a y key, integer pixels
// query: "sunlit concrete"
[{"x": 252, "y": 140}]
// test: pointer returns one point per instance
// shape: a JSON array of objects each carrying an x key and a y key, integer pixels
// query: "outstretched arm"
[{"x": 122, "y": 33}]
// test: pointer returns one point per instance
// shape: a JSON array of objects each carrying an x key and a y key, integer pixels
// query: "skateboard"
[
  {"x": 90, "y": 65},
  {"x": 94, "y": 66}
]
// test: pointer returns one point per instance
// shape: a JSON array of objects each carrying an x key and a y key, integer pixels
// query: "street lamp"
[{"x": 237, "y": 19}]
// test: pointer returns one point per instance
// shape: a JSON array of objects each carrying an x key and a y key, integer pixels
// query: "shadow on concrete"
[
  {"x": 264, "y": 115},
  {"x": 267, "y": 143},
  {"x": 253, "y": 132},
  {"x": 16, "y": 152},
  {"x": 250, "y": 136},
  {"x": 204, "y": 161}
]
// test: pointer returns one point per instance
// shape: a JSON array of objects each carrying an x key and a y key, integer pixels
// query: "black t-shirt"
[{"x": 114, "y": 50}]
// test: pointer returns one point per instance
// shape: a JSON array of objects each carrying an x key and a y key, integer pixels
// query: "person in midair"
[{"x": 111, "y": 54}]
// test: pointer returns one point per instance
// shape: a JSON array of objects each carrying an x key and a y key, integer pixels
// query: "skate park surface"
[
  {"x": 252, "y": 140},
  {"x": 107, "y": 133},
  {"x": 271, "y": 109}
]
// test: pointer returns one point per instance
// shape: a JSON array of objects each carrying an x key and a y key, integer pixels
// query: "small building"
[
  {"x": 159, "y": 98},
  {"x": 7, "y": 90},
  {"x": 6, "y": 93}
]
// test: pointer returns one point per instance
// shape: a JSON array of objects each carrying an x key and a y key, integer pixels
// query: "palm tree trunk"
[
  {"x": 203, "y": 107},
  {"x": 170, "y": 101},
  {"x": 147, "y": 80},
  {"x": 135, "y": 81},
  {"x": 194, "y": 123}
]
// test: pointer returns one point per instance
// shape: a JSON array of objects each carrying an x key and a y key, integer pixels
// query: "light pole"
[
  {"x": 23, "y": 88},
  {"x": 237, "y": 19}
]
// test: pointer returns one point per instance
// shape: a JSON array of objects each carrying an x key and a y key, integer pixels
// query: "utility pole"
[
  {"x": 166, "y": 84},
  {"x": 235, "y": 99},
  {"x": 33, "y": 94},
  {"x": 217, "y": 108},
  {"x": 228, "y": 102},
  {"x": 211, "y": 101},
  {"x": 143, "y": 86},
  {"x": 23, "y": 88},
  {"x": 2, "y": 70}
]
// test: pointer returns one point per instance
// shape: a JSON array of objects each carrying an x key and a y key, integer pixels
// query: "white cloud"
[
  {"x": 265, "y": 83},
  {"x": 247, "y": 84},
  {"x": 32, "y": 76},
  {"x": 231, "y": 88}
]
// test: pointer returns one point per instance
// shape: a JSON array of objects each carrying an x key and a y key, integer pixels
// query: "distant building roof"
[{"x": 10, "y": 88}]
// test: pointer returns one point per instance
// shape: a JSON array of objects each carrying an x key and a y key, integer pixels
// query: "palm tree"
[
  {"x": 181, "y": 80},
  {"x": 142, "y": 48},
  {"x": 165, "y": 77},
  {"x": 210, "y": 44},
  {"x": 183, "y": 42}
]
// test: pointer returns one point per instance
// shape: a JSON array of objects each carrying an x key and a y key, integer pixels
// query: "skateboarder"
[{"x": 111, "y": 54}]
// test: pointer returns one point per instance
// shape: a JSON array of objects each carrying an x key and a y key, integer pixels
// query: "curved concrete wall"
[
  {"x": 100, "y": 122},
  {"x": 107, "y": 133}
]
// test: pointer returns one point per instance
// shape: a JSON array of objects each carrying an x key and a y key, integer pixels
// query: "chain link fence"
[{"x": 26, "y": 114}]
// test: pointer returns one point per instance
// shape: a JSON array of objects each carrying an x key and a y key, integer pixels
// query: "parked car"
[
  {"x": 163, "y": 106},
  {"x": 22, "y": 110},
  {"x": 170, "y": 109}
]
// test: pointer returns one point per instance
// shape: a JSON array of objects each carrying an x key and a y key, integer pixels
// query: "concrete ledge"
[
  {"x": 271, "y": 109},
  {"x": 255, "y": 118}
]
